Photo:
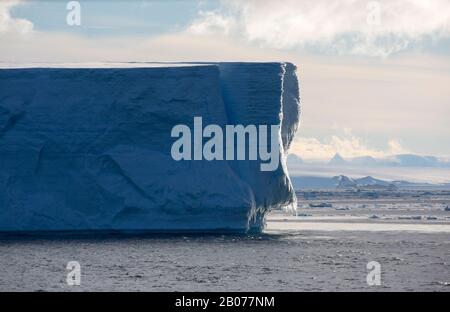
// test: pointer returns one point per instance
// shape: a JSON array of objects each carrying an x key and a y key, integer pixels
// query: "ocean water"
[{"x": 293, "y": 255}]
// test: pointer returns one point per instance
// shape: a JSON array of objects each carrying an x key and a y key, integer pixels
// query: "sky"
[{"x": 374, "y": 75}]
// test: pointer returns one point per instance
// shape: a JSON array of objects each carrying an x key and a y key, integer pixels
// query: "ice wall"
[{"x": 89, "y": 148}]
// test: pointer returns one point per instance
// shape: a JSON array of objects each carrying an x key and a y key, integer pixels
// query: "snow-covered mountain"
[
  {"x": 337, "y": 160},
  {"x": 410, "y": 160},
  {"x": 364, "y": 161},
  {"x": 343, "y": 182},
  {"x": 367, "y": 181}
]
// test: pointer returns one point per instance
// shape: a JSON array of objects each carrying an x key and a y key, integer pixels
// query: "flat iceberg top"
[
  {"x": 98, "y": 65},
  {"x": 89, "y": 65}
]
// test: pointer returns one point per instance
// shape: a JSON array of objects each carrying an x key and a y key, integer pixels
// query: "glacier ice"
[{"x": 87, "y": 147}]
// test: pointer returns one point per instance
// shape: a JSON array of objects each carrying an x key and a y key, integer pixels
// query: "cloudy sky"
[{"x": 374, "y": 75}]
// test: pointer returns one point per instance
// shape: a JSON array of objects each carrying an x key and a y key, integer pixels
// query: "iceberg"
[{"x": 87, "y": 147}]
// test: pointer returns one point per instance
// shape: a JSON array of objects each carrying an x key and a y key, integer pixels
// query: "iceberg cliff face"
[{"x": 90, "y": 148}]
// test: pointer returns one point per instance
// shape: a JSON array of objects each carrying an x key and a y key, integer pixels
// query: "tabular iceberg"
[{"x": 88, "y": 147}]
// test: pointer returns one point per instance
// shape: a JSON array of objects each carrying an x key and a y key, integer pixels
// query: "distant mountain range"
[
  {"x": 401, "y": 160},
  {"x": 337, "y": 160},
  {"x": 366, "y": 183}
]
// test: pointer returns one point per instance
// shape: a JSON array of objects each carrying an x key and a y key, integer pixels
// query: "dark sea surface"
[{"x": 279, "y": 260}]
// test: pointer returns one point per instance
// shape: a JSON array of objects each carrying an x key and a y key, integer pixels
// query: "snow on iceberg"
[{"x": 87, "y": 147}]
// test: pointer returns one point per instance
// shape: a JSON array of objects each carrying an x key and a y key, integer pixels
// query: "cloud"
[
  {"x": 212, "y": 23},
  {"x": 78, "y": 48},
  {"x": 9, "y": 24},
  {"x": 377, "y": 98},
  {"x": 347, "y": 146},
  {"x": 371, "y": 28}
]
